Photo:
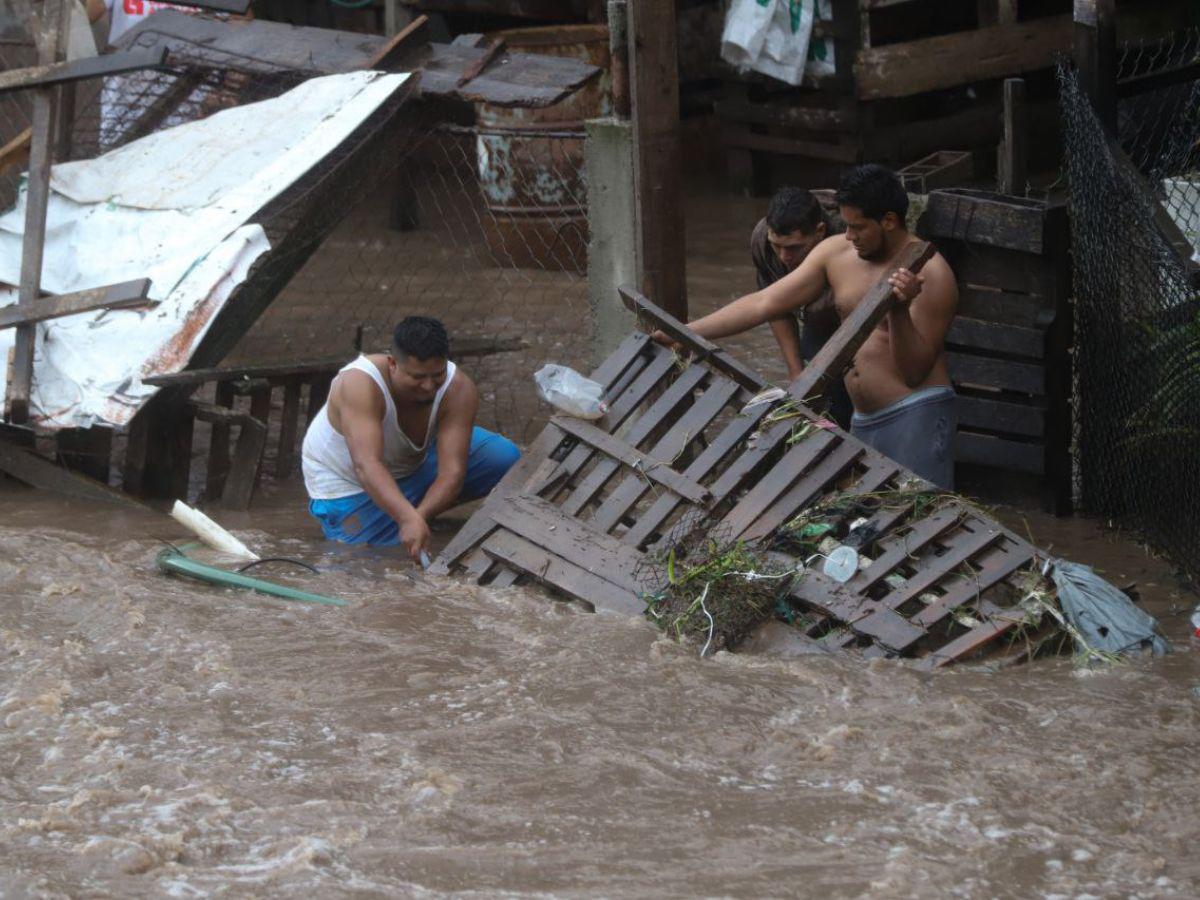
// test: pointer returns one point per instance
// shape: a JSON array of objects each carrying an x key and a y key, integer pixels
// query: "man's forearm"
[
  {"x": 377, "y": 481},
  {"x": 442, "y": 494},
  {"x": 787, "y": 335}
]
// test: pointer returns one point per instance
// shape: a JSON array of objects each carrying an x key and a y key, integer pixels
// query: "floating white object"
[
  {"x": 209, "y": 531},
  {"x": 841, "y": 564}
]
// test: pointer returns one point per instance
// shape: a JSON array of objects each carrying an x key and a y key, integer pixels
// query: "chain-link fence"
[
  {"x": 1135, "y": 212},
  {"x": 475, "y": 215}
]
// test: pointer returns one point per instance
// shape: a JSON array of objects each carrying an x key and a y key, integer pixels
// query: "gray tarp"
[{"x": 1104, "y": 616}]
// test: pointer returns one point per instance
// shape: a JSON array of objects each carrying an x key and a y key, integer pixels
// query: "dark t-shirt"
[{"x": 821, "y": 316}]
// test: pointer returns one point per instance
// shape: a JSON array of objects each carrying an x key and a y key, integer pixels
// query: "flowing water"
[{"x": 160, "y": 737}]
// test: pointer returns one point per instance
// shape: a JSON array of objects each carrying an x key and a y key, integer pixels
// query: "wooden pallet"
[{"x": 591, "y": 502}]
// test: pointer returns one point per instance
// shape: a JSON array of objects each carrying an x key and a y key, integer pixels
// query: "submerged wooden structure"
[{"x": 683, "y": 449}]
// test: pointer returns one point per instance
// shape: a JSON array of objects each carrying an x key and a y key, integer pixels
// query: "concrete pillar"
[{"x": 613, "y": 232}]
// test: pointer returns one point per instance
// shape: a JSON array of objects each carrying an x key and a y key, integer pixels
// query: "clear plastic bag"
[{"x": 568, "y": 391}]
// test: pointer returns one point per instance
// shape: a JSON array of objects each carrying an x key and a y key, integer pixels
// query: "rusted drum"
[{"x": 531, "y": 163}]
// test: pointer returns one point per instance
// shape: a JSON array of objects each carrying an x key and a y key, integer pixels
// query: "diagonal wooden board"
[{"x": 126, "y": 295}]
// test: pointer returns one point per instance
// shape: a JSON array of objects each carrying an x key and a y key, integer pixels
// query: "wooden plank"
[
  {"x": 289, "y": 424},
  {"x": 962, "y": 545},
  {"x": 318, "y": 393},
  {"x": 218, "y": 447},
  {"x": 805, "y": 492},
  {"x": 654, "y": 92},
  {"x": 997, "y": 337},
  {"x": 1004, "y": 374},
  {"x": 51, "y": 49},
  {"x": 969, "y": 643},
  {"x": 994, "y": 268},
  {"x": 986, "y": 450},
  {"x": 776, "y": 481},
  {"x": 980, "y": 413},
  {"x": 983, "y": 217},
  {"x": 490, "y": 52},
  {"x": 55, "y": 74},
  {"x": 566, "y": 576},
  {"x": 15, "y": 154},
  {"x": 39, "y": 472},
  {"x": 247, "y": 457},
  {"x": 1004, "y": 307},
  {"x": 835, "y": 151},
  {"x": 1094, "y": 43},
  {"x": 701, "y": 348},
  {"x": 654, "y": 469},
  {"x": 518, "y": 79},
  {"x": 1013, "y": 175},
  {"x": 707, "y": 407},
  {"x": 941, "y": 169},
  {"x": 86, "y": 450},
  {"x": 838, "y": 352},
  {"x": 672, "y": 398},
  {"x": 927, "y": 64},
  {"x": 896, "y": 549},
  {"x": 811, "y": 118},
  {"x": 399, "y": 44},
  {"x": 727, "y": 441},
  {"x": 993, "y": 569},
  {"x": 127, "y": 295},
  {"x": 544, "y": 525}
]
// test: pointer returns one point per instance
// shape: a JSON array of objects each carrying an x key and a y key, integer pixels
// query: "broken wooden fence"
[{"x": 681, "y": 445}]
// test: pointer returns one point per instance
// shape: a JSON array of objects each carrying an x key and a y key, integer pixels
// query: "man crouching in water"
[
  {"x": 396, "y": 444},
  {"x": 904, "y": 405}
]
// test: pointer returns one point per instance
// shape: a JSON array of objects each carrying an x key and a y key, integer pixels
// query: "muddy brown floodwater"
[{"x": 164, "y": 738}]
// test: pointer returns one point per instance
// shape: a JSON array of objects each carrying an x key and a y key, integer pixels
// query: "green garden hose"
[{"x": 173, "y": 561}]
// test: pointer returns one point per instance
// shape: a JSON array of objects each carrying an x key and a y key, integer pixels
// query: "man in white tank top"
[{"x": 396, "y": 443}]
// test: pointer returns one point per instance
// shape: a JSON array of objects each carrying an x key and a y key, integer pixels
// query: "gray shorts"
[{"x": 917, "y": 432}]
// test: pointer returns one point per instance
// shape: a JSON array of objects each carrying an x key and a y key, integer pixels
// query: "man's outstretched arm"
[
  {"x": 456, "y": 421},
  {"x": 797, "y": 289},
  {"x": 787, "y": 335}
]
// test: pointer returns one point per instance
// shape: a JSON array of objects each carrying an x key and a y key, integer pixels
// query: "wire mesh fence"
[
  {"x": 476, "y": 216},
  {"x": 1134, "y": 209}
]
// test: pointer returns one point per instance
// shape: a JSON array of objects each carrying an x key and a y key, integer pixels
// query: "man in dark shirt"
[{"x": 794, "y": 224}]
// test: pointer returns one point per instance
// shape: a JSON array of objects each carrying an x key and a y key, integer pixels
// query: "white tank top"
[{"x": 325, "y": 458}]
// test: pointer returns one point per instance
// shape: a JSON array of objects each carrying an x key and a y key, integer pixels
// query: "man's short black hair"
[
  {"x": 421, "y": 337},
  {"x": 793, "y": 209},
  {"x": 874, "y": 189}
]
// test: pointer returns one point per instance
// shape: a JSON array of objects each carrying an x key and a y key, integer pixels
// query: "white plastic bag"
[
  {"x": 769, "y": 36},
  {"x": 568, "y": 391}
]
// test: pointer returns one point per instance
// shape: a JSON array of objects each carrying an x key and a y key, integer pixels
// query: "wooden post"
[
  {"x": 51, "y": 48},
  {"x": 1013, "y": 167},
  {"x": 86, "y": 450},
  {"x": 1096, "y": 56},
  {"x": 654, "y": 90},
  {"x": 618, "y": 31}
]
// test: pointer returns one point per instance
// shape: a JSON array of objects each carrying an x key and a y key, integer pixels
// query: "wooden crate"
[
  {"x": 1009, "y": 346},
  {"x": 590, "y": 503}
]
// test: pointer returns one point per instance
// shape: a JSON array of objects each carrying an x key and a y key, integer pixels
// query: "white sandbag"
[{"x": 209, "y": 531}]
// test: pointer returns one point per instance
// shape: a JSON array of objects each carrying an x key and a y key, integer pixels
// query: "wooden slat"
[
  {"x": 707, "y": 407},
  {"x": 566, "y": 576},
  {"x": 962, "y": 546},
  {"x": 900, "y": 70},
  {"x": 247, "y": 457},
  {"x": 971, "y": 642},
  {"x": 809, "y": 118},
  {"x": 862, "y": 616},
  {"x": 702, "y": 349},
  {"x": 992, "y": 568},
  {"x": 544, "y": 525},
  {"x": 982, "y": 217},
  {"x": 899, "y": 548},
  {"x": 778, "y": 480},
  {"x": 126, "y": 295},
  {"x": 678, "y": 393},
  {"x": 399, "y": 44},
  {"x": 289, "y": 425},
  {"x": 806, "y": 491},
  {"x": 987, "y": 450},
  {"x": 978, "y": 334},
  {"x": 731, "y": 437},
  {"x": 15, "y": 154},
  {"x": 744, "y": 138},
  {"x": 56, "y": 74},
  {"x": 999, "y": 307},
  {"x": 1022, "y": 419},
  {"x": 218, "y": 447},
  {"x": 1005, "y": 374},
  {"x": 654, "y": 469},
  {"x": 838, "y": 352}
]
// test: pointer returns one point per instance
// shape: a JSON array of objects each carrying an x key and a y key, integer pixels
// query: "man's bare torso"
[{"x": 873, "y": 381}]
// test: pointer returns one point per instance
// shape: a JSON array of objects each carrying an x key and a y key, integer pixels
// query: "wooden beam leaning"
[
  {"x": 703, "y": 349},
  {"x": 51, "y": 49},
  {"x": 54, "y": 74},
  {"x": 399, "y": 45},
  {"x": 15, "y": 154},
  {"x": 839, "y": 350},
  {"x": 126, "y": 295}
]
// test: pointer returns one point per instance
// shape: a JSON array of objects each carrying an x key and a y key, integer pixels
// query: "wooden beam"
[
  {"x": 56, "y": 74},
  {"x": 400, "y": 44},
  {"x": 949, "y": 60},
  {"x": 1095, "y": 39},
  {"x": 51, "y": 49},
  {"x": 654, "y": 91},
  {"x": 1013, "y": 174},
  {"x": 839, "y": 350},
  {"x": 126, "y": 295},
  {"x": 37, "y": 471}
]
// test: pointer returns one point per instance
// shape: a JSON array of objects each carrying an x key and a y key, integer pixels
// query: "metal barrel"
[{"x": 531, "y": 161}]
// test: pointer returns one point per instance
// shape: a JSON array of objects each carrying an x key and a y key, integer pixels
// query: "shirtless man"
[
  {"x": 904, "y": 405},
  {"x": 396, "y": 443}
]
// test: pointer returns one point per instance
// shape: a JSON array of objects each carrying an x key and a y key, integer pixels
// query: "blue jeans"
[{"x": 358, "y": 520}]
